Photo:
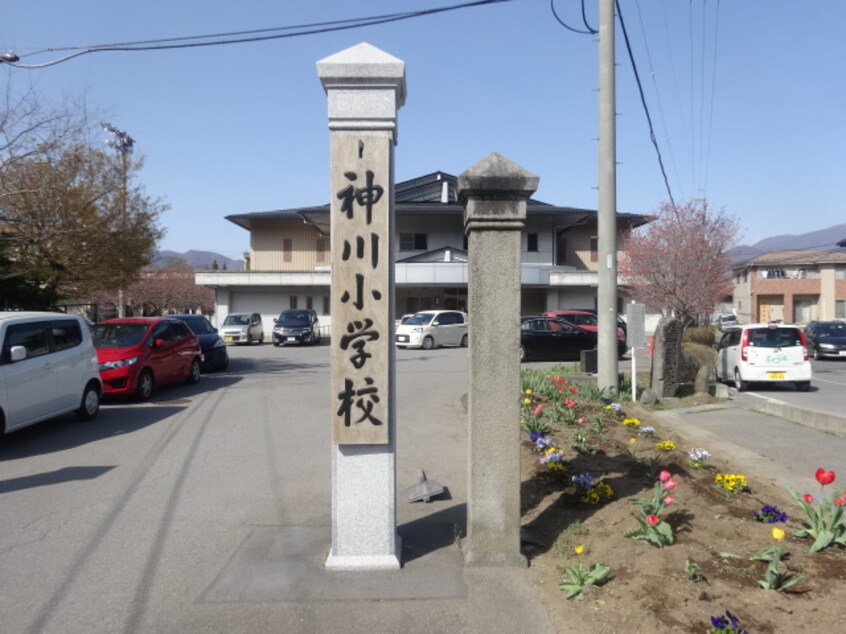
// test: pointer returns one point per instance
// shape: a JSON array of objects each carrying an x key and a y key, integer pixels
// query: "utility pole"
[
  {"x": 122, "y": 143},
  {"x": 606, "y": 309}
]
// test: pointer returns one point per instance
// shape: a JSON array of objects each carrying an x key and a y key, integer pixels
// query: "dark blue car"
[{"x": 215, "y": 355}]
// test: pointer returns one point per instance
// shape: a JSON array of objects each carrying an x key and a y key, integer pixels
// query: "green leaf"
[{"x": 823, "y": 539}]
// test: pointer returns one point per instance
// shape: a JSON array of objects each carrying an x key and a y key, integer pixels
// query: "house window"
[
  {"x": 292, "y": 302},
  {"x": 594, "y": 249},
  {"x": 309, "y": 302},
  {"x": 531, "y": 242},
  {"x": 321, "y": 250},
  {"x": 287, "y": 250},
  {"x": 325, "y": 304},
  {"x": 840, "y": 309},
  {"x": 840, "y": 273},
  {"x": 413, "y": 242}
]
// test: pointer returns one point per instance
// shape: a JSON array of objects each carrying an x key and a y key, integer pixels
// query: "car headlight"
[
  {"x": 113, "y": 365},
  {"x": 828, "y": 346},
  {"x": 219, "y": 344}
]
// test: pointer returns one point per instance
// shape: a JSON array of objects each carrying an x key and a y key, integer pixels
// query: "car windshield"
[
  {"x": 237, "y": 320},
  {"x": 833, "y": 330},
  {"x": 294, "y": 318},
  {"x": 200, "y": 325},
  {"x": 419, "y": 319},
  {"x": 774, "y": 337},
  {"x": 117, "y": 335}
]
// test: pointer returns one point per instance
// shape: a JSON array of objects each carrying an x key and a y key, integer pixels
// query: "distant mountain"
[
  {"x": 198, "y": 260},
  {"x": 823, "y": 240}
]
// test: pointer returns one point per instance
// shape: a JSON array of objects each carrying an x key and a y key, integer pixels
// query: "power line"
[
  {"x": 242, "y": 37},
  {"x": 589, "y": 31},
  {"x": 643, "y": 102}
]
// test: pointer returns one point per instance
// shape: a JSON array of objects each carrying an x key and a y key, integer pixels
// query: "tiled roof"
[{"x": 795, "y": 257}]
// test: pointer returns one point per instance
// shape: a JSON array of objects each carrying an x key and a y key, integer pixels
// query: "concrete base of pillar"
[{"x": 365, "y": 562}]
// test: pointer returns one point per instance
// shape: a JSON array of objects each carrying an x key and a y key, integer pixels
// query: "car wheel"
[
  {"x": 90, "y": 404},
  {"x": 464, "y": 341},
  {"x": 194, "y": 372},
  {"x": 261, "y": 339},
  {"x": 816, "y": 354},
  {"x": 276, "y": 344},
  {"x": 739, "y": 383},
  {"x": 249, "y": 339},
  {"x": 522, "y": 353},
  {"x": 144, "y": 389},
  {"x": 428, "y": 343},
  {"x": 803, "y": 386}
]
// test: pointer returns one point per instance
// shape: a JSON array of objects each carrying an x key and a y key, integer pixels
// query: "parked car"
[
  {"x": 766, "y": 353},
  {"x": 48, "y": 367},
  {"x": 215, "y": 354},
  {"x": 243, "y": 328},
  {"x": 432, "y": 329},
  {"x": 584, "y": 319},
  {"x": 136, "y": 354},
  {"x": 550, "y": 338},
  {"x": 826, "y": 338},
  {"x": 724, "y": 321},
  {"x": 621, "y": 323},
  {"x": 296, "y": 326}
]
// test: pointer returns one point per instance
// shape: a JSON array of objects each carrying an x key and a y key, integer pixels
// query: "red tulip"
[
  {"x": 808, "y": 498},
  {"x": 652, "y": 520},
  {"x": 825, "y": 477}
]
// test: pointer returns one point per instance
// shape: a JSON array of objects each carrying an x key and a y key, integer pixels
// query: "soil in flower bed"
[{"x": 649, "y": 589}]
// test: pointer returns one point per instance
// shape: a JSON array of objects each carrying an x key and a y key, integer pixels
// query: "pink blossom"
[
  {"x": 669, "y": 485},
  {"x": 580, "y": 421},
  {"x": 569, "y": 403},
  {"x": 664, "y": 476},
  {"x": 652, "y": 520},
  {"x": 668, "y": 500},
  {"x": 538, "y": 410}
]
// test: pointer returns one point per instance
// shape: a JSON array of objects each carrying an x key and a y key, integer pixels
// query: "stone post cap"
[
  {"x": 363, "y": 66},
  {"x": 496, "y": 177}
]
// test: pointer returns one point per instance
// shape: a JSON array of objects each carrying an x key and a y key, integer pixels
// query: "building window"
[
  {"x": 292, "y": 302},
  {"x": 413, "y": 242},
  {"x": 840, "y": 309},
  {"x": 287, "y": 250},
  {"x": 594, "y": 249},
  {"x": 322, "y": 248},
  {"x": 531, "y": 242},
  {"x": 840, "y": 273},
  {"x": 325, "y": 304},
  {"x": 309, "y": 302}
]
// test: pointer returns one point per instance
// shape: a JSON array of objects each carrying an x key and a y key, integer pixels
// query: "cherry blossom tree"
[{"x": 678, "y": 262}]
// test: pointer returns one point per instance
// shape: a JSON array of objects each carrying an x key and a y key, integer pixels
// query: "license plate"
[
  {"x": 292, "y": 338},
  {"x": 402, "y": 338},
  {"x": 228, "y": 338},
  {"x": 775, "y": 376},
  {"x": 842, "y": 353}
]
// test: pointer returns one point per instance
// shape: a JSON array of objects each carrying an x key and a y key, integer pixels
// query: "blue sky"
[{"x": 747, "y": 98}]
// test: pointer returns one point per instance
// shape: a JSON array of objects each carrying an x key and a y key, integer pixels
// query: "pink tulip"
[
  {"x": 668, "y": 500},
  {"x": 808, "y": 498},
  {"x": 652, "y": 520},
  {"x": 538, "y": 410},
  {"x": 664, "y": 476},
  {"x": 669, "y": 485}
]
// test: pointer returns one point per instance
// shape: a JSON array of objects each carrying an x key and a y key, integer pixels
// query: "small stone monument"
[{"x": 666, "y": 357}]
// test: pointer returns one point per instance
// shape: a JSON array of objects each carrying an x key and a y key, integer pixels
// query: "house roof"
[
  {"x": 798, "y": 257},
  {"x": 432, "y": 194}
]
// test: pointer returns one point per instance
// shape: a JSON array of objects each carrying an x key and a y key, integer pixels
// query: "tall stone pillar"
[
  {"x": 494, "y": 193},
  {"x": 365, "y": 87}
]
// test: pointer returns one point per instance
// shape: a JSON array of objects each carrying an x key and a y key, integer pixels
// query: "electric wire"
[
  {"x": 713, "y": 92},
  {"x": 585, "y": 22},
  {"x": 567, "y": 26},
  {"x": 644, "y": 104},
  {"x": 242, "y": 37}
]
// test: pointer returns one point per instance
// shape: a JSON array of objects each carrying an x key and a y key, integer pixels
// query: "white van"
[
  {"x": 766, "y": 353},
  {"x": 433, "y": 328},
  {"x": 48, "y": 367}
]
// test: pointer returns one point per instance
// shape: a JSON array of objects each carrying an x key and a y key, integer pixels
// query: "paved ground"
[{"x": 208, "y": 510}]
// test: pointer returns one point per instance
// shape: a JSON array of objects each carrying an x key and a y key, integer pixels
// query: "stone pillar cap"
[
  {"x": 496, "y": 176},
  {"x": 363, "y": 65}
]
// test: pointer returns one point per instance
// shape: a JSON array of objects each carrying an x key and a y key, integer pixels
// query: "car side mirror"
[
  {"x": 17, "y": 353},
  {"x": 159, "y": 343}
]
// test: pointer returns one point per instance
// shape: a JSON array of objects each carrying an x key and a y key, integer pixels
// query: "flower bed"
[{"x": 678, "y": 556}]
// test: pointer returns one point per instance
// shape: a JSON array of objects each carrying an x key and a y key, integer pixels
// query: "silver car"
[{"x": 242, "y": 328}]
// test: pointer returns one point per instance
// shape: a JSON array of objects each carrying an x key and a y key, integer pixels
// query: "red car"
[
  {"x": 584, "y": 319},
  {"x": 136, "y": 354}
]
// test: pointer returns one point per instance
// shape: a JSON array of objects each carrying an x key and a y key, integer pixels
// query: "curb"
[{"x": 821, "y": 421}]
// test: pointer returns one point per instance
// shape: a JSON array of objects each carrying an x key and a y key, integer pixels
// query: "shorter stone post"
[{"x": 494, "y": 193}]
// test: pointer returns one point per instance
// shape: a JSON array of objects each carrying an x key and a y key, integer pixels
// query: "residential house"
[
  {"x": 791, "y": 286},
  {"x": 287, "y": 265}
]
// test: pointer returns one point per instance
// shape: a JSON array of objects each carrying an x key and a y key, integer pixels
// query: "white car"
[
  {"x": 242, "y": 328},
  {"x": 48, "y": 368},
  {"x": 765, "y": 353},
  {"x": 433, "y": 328}
]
